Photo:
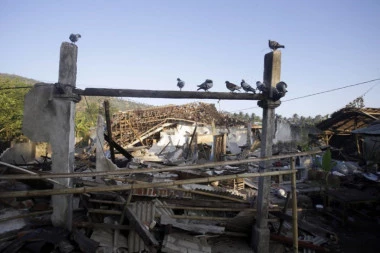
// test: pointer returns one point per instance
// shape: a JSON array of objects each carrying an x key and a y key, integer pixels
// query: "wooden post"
[
  {"x": 294, "y": 211},
  {"x": 63, "y": 141},
  {"x": 109, "y": 130},
  {"x": 261, "y": 233}
]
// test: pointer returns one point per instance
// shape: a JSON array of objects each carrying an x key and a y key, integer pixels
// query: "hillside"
[{"x": 13, "y": 89}]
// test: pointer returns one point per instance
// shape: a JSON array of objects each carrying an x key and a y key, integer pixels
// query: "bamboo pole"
[
  {"x": 100, "y": 225},
  {"x": 149, "y": 170},
  {"x": 106, "y": 202},
  {"x": 190, "y": 217},
  {"x": 25, "y": 215},
  {"x": 207, "y": 208},
  {"x": 29, "y": 172},
  {"x": 101, "y": 211},
  {"x": 209, "y": 194},
  {"x": 294, "y": 212},
  {"x": 32, "y": 214},
  {"x": 110, "y": 188}
]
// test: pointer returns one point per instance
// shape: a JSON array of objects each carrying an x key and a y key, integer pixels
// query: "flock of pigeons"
[
  {"x": 279, "y": 90},
  {"x": 276, "y": 92}
]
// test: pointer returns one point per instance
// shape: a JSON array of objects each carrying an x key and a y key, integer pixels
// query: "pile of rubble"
[{"x": 130, "y": 125}]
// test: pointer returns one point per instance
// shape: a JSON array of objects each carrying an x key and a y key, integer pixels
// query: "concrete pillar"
[
  {"x": 261, "y": 233},
  {"x": 49, "y": 117},
  {"x": 63, "y": 153}
]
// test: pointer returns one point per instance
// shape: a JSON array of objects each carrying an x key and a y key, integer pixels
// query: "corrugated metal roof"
[{"x": 145, "y": 212}]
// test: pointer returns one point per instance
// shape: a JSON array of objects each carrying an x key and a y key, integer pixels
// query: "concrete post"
[
  {"x": 261, "y": 233},
  {"x": 63, "y": 141}
]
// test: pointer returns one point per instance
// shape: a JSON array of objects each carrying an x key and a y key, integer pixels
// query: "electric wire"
[{"x": 318, "y": 93}]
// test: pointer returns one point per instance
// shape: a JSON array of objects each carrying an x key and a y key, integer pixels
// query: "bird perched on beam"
[
  {"x": 74, "y": 37},
  {"x": 261, "y": 86},
  {"x": 275, "y": 45},
  {"x": 206, "y": 85},
  {"x": 279, "y": 91},
  {"x": 232, "y": 87},
  {"x": 180, "y": 84},
  {"x": 247, "y": 87}
]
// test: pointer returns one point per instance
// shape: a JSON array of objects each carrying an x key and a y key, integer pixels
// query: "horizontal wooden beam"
[
  {"x": 153, "y": 170},
  {"x": 111, "y": 188},
  {"x": 167, "y": 94}
]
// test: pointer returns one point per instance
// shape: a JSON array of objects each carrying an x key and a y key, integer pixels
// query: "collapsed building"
[
  {"x": 194, "y": 180},
  {"x": 172, "y": 131},
  {"x": 337, "y": 130}
]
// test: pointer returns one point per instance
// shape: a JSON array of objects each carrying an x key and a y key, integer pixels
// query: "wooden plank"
[
  {"x": 166, "y": 94},
  {"x": 119, "y": 148},
  {"x": 141, "y": 230},
  {"x": 109, "y": 130}
]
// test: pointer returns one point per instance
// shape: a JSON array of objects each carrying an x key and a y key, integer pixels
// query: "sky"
[{"x": 145, "y": 44}]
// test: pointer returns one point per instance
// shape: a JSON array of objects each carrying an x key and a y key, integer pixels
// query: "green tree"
[
  {"x": 12, "y": 106},
  {"x": 86, "y": 119}
]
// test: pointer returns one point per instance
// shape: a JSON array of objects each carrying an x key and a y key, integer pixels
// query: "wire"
[
  {"x": 322, "y": 92},
  {"x": 13, "y": 88},
  {"x": 373, "y": 86}
]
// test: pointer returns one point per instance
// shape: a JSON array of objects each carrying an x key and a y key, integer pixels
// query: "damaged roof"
[
  {"x": 131, "y": 125},
  {"x": 373, "y": 129},
  {"x": 346, "y": 120}
]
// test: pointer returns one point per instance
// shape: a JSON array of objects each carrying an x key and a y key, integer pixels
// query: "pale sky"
[{"x": 148, "y": 44}]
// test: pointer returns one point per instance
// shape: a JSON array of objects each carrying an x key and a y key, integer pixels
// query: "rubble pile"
[{"x": 129, "y": 125}]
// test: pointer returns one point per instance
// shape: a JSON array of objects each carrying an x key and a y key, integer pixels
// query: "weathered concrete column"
[
  {"x": 49, "y": 117},
  {"x": 63, "y": 142},
  {"x": 261, "y": 233}
]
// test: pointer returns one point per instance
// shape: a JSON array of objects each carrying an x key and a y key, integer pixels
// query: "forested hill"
[{"x": 13, "y": 89}]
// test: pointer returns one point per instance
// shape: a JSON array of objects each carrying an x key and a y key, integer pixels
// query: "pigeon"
[
  {"x": 74, "y": 37},
  {"x": 275, "y": 45},
  {"x": 206, "y": 85},
  {"x": 247, "y": 87},
  {"x": 261, "y": 86},
  {"x": 232, "y": 87},
  {"x": 279, "y": 91},
  {"x": 180, "y": 84},
  {"x": 281, "y": 87}
]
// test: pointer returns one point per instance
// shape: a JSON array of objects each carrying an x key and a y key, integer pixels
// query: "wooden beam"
[
  {"x": 109, "y": 130},
  {"x": 141, "y": 230},
  {"x": 111, "y": 188},
  {"x": 294, "y": 211},
  {"x": 119, "y": 148},
  {"x": 100, "y": 225},
  {"x": 149, "y": 170},
  {"x": 166, "y": 94}
]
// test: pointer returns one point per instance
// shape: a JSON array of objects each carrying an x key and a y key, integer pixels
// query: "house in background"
[
  {"x": 337, "y": 130},
  {"x": 369, "y": 142}
]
